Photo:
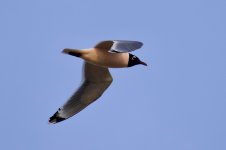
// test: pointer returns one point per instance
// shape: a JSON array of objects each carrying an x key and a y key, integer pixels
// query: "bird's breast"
[{"x": 104, "y": 58}]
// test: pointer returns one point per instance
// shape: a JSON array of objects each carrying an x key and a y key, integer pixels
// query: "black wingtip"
[
  {"x": 55, "y": 118},
  {"x": 73, "y": 52}
]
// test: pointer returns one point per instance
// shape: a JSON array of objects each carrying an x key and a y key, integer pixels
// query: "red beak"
[{"x": 143, "y": 63}]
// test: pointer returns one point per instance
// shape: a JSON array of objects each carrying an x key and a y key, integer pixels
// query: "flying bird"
[{"x": 96, "y": 76}]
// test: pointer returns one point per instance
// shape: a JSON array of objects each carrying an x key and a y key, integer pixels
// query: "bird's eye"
[{"x": 134, "y": 57}]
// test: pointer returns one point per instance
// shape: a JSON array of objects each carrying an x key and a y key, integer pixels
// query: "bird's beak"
[{"x": 143, "y": 63}]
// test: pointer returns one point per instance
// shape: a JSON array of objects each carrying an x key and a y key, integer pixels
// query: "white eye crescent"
[{"x": 133, "y": 57}]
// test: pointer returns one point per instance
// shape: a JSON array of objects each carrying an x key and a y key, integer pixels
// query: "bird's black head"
[{"x": 134, "y": 60}]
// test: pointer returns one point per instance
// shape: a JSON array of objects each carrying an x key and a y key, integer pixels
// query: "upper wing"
[
  {"x": 96, "y": 81},
  {"x": 119, "y": 46}
]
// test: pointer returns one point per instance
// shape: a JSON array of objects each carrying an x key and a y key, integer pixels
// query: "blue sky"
[{"x": 177, "y": 103}]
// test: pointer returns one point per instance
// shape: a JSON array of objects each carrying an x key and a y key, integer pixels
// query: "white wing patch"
[{"x": 120, "y": 46}]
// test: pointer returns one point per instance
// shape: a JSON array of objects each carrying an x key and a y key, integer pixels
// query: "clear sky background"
[{"x": 176, "y": 103}]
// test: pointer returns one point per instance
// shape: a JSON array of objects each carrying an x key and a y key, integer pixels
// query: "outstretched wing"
[
  {"x": 95, "y": 81},
  {"x": 119, "y": 46}
]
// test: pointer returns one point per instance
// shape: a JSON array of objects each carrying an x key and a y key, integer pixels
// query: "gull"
[{"x": 96, "y": 76}]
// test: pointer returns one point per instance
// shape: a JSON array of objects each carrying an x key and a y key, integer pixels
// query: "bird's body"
[
  {"x": 102, "y": 57},
  {"x": 96, "y": 76}
]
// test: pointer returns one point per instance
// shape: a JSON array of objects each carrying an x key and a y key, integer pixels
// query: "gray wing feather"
[
  {"x": 119, "y": 46},
  {"x": 96, "y": 81}
]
